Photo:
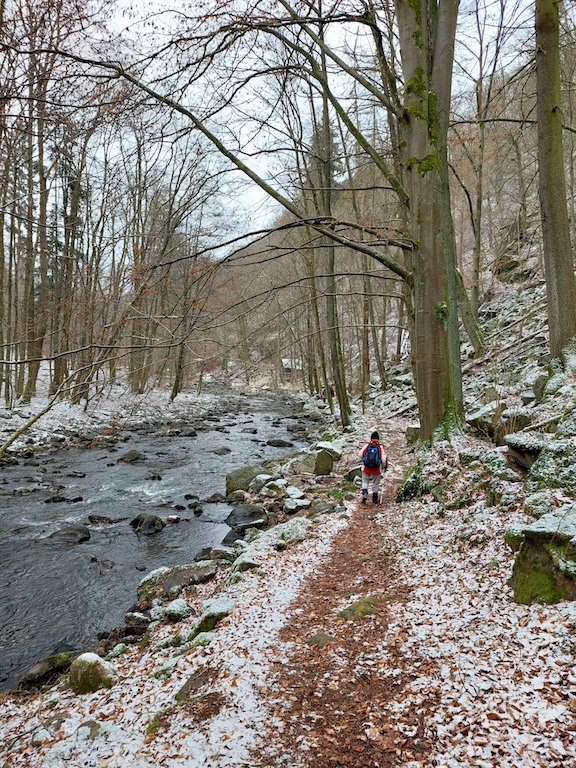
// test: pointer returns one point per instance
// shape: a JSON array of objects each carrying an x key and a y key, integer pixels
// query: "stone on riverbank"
[
  {"x": 167, "y": 583},
  {"x": 90, "y": 672},
  {"x": 47, "y": 669},
  {"x": 211, "y": 612},
  {"x": 240, "y": 479},
  {"x": 315, "y": 463}
]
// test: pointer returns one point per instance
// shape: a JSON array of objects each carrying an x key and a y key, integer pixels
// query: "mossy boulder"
[
  {"x": 555, "y": 467},
  {"x": 314, "y": 462},
  {"x": 567, "y": 424},
  {"x": 47, "y": 670},
  {"x": 167, "y": 583},
  {"x": 545, "y": 566},
  {"x": 524, "y": 448},
  {"x": 486, "y": 420},
  {"x": 90, "y": 672},
  {"x": 240, "y": 479},
  {"x": 414, "y": 485},
  {"x": 361, "y": 608},
  {"x": 514, "y": 537},
  {"x": 212, "y": 612},
  {"x": 539, "y": 504}
]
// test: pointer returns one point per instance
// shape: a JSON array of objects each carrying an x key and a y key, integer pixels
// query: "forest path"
[{"x": 346, "y": 671}]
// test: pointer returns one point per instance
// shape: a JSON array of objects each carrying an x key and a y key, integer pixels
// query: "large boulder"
[
  {"x": 240, "y": 479},
  {"x": 315, "y": 463},
  {"x": 90, "y": 672},
  {"x": 545, "y": 566},
  {"x": 167, "y": 583}
]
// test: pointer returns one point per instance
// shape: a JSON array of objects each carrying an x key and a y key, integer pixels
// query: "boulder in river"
[
  {"x": 147, "y": 524},
  {"x": 73, "y": 533},
  {"x": 89, "y": 672}
]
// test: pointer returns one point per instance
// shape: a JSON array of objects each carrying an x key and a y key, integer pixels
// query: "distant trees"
[{"x": 114, "y": 260}]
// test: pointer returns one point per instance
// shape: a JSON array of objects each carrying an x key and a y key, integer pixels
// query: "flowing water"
[{"x": 56, "y": 595}]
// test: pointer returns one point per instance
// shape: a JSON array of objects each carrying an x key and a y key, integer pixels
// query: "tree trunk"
[
  {"x": 560, "y": 282},
  {"x": 426, "y": 31}
]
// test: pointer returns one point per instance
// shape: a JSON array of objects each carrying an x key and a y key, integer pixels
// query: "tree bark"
[{"x": 559, "y": 268}]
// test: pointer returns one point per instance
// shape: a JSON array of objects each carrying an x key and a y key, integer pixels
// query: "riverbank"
[{"x": 386, "y": 637}]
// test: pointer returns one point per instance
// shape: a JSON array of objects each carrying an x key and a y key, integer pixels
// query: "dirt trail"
[{"x": 338, "y": 696}]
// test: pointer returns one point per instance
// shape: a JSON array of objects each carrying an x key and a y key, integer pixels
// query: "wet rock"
[
  {"x": 222, "y": 451},
  {"x": 246, "y": 516},
  {"x": 315, "y": 462},
  {"x": 73, "y": 533},
  {"x": 90, "y": 672},
  {"x": 47, "y": 670},
  {"x": 132, "y": 456},
  {"x": 216, "y": 498},
  {"x": 279, "y": 443},
  {"x": 136, "y": 622},
  {"x": 105, "y": 520},
  {"x": 147, "y": 524}
]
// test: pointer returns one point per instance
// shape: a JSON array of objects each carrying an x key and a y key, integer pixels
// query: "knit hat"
[{"x": 374, "y": 436}]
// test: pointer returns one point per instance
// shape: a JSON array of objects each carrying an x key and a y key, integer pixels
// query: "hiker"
[
  {"x": 323, "y": 395},
  {"x": 332, "y": 389},
  {"x": 374, "y": 460}
]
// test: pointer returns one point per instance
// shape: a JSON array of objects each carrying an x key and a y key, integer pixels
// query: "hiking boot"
[
  {"x": 364, "y": 497},
  {"x": 374, "y": 498}
]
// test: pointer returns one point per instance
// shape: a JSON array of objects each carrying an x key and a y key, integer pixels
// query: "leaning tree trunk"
[{"x": 560, "y": 282}]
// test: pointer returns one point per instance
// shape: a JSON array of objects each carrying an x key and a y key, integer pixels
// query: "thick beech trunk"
[{"x": 559, "y": 267}]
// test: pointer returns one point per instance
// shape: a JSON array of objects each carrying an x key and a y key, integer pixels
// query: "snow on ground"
[
  {"x": 505, "y": 674},
  {"x": 497, "y": 683},
  {"x": 51, "y": 731}
]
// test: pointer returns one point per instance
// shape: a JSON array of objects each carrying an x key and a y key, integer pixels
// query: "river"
[{"x": 55, "y": 595}]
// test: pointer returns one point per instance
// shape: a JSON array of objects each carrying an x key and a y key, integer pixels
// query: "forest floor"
[{"x": 388, "y": 638}]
